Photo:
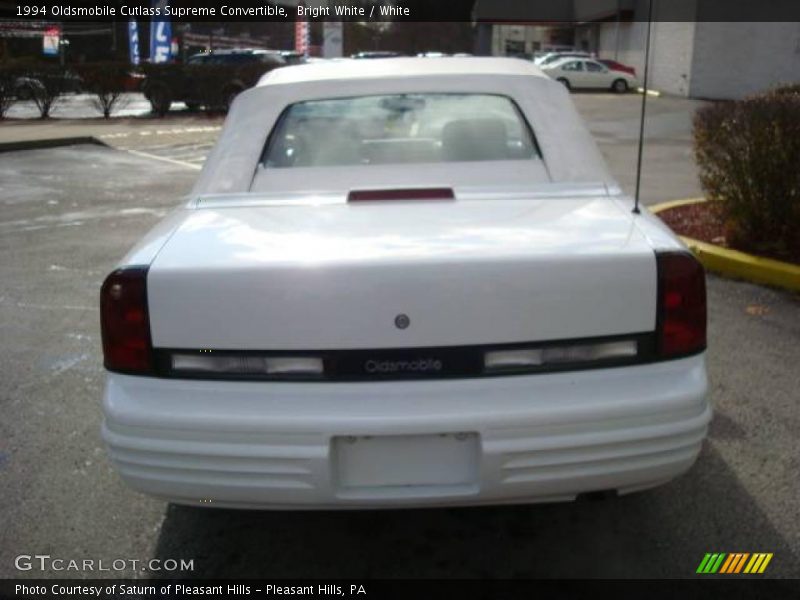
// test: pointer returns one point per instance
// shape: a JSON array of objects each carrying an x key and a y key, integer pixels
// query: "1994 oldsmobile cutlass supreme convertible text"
[{"x": 404, "y": 282}]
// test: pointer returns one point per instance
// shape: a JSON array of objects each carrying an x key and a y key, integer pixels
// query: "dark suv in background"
[{"x": 211, "y": 79}]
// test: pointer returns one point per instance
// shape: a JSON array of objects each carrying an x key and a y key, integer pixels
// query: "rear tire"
[
  {"x": 229, "y": 97},
  {"x": 565, "y": 82},
  {"x": 160, "y": 99},
  {"x": 620, "y": 86}
]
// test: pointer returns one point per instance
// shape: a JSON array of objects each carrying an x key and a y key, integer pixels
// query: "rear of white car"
[{"x": 453, "y": 306}]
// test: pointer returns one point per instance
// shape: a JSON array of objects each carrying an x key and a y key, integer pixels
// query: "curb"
[
  {"x": 736, "y": 264},
  {"x": 650, "y": 92},
  {"x": 661, "y": 206},
  {"x": 48, "y": 143}
]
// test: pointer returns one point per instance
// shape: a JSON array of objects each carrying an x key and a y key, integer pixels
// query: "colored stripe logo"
[{"x": 734, "y": 563}]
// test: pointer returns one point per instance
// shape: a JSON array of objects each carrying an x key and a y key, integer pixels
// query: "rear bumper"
[{"x": 507, "y": 439}]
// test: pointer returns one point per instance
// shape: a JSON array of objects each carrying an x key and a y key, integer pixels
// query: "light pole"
[{"x": 62, "y": 50}]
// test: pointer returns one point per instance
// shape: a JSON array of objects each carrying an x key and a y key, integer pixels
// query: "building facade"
[
  {"x": 705, "y": 59},
  {"x": 691, "y": 53}
]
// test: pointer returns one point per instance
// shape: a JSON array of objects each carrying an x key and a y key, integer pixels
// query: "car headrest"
[{"x": 474, "y": 139}]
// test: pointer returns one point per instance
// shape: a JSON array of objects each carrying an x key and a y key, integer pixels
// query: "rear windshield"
[{"x": 400, "y": 128}]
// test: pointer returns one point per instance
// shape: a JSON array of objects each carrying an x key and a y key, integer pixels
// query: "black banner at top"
[{"x": 476, "y": 11}]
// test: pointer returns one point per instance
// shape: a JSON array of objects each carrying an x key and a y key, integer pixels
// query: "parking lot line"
[{"x": 181, "y": 163}]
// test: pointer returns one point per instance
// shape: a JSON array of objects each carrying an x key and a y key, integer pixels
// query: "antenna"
[{"x": 644, "y": 108}]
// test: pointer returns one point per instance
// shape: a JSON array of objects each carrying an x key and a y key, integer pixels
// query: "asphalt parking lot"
[{"x": 70, "y": 213}]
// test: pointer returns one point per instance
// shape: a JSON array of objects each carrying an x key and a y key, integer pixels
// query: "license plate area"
[{"x": 406, "y": 465}]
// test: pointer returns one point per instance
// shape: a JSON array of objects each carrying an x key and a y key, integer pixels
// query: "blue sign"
[
  {"x": 133, "y": 41},
  {"x": 160, "y": 35}
]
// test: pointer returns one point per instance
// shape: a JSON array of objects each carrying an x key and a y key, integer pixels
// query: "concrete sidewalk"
[{"x": 116, "y": 132}]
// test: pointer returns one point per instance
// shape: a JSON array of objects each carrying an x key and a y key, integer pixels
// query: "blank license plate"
[{"x": 406, "y": 460}]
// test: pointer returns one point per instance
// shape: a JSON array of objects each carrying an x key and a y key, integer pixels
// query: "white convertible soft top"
[
  {"x": 348, "y": 68},
  {"x": 570, "y": 154}
]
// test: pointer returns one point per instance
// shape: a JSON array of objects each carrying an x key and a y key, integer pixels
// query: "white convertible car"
[{"x": 404, "y": 282}]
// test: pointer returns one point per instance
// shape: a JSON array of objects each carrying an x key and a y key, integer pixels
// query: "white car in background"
[
  {"x": 551, "y": 57},
  {"x": 585, "y": 73},
  {"x": 404, "y": 282}
]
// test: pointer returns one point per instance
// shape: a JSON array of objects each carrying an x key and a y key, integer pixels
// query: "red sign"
[{"x": 302, "y": 35}]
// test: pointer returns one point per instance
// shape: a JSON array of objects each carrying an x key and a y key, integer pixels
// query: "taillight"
[
  {"x": 681, "y": 325},
  {"x": 124, "y": 321}
]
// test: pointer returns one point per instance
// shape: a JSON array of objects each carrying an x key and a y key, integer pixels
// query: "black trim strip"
[{"x": 457, "y": 362}]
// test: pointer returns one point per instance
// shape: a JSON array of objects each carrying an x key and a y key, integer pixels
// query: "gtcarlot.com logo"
[
  {"x": 46, "y": 562},
  {"x": 734, "y": 563}
]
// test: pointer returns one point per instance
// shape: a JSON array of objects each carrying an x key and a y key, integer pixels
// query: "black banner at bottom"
[{"x": 460, "y": 589}]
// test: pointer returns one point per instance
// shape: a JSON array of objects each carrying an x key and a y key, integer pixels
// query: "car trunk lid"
[{"x": 265, "y": 274}]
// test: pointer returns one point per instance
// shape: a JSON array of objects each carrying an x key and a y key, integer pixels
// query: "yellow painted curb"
[
  {"x": 733, "y": 263},
  {"x": 655, "y": 93},
  {"x": 741, "y": 265},
  {"x": 657, "y": 208}
]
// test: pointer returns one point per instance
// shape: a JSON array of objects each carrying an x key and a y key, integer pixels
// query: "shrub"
[
  {"x": 106, "y": 82},
  {"x": 793, "y": 88},
  {"x": 47, "y": 84},
  {"x": 748, "y": 155}
]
